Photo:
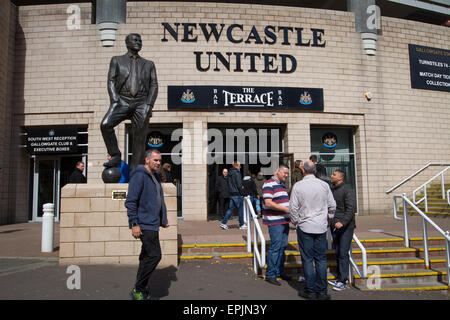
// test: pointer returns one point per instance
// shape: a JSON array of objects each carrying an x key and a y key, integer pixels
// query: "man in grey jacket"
[
  {"x": 311, "y": 205},
  {"x": 342, "y": 227}
]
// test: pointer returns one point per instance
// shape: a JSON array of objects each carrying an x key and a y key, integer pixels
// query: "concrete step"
[
  {"x": 411, "y": 278},
  {"x": 293, "y": 256},
  {"x": 398, "y": 252},
  {"x": 423, "y": 286},
  {"x": 388, "y": 265},
  {"x": 436, "y": 204},
  {"x": 395, "y": 242},
  {"x": 438, "y": 185},
  {"x": 431, "y": 214},
  {"x": 399, "y": 268},
  {"x": 417, "y": 279},
  {"x": 223, "y": 248}
]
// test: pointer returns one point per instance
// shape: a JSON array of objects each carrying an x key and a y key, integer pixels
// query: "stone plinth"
[{"x": 94, "y": 227}]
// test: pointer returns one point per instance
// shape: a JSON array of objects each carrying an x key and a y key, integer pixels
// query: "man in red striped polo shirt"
[{"x": 275, "y": 213}]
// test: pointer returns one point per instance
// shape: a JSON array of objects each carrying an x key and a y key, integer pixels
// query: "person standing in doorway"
[
  {"x": 236, "y": 192},
  {"x": 321, "y": 171},
  {"x": 342, "y": 227},
  {"x": 77, "y": 175},
  {"x": 222, "y": 192},
  {"x": 259, "y": 181},
  {"x": 275, "y": 213},
  {"x": 249, "y": 187},
  {"x": 166, "y": 173},
  {"x": 311, "y": 205},
  {"x": 297, "y": 175},
  {"x": 146, "y": 212}
]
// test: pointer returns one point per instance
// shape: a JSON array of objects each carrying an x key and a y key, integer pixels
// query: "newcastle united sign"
[
  {"x": 239, "y": 61},
  {"x": 234, "y": 97}
]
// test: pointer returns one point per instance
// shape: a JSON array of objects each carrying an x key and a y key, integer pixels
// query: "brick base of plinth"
[{"x": 94, "y": 227}]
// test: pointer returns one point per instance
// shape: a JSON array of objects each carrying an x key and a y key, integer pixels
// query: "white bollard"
[{"x": 47, "y": 228}]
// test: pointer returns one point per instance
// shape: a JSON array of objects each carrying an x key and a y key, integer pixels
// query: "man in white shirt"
[{"x": 311, "y": 205}]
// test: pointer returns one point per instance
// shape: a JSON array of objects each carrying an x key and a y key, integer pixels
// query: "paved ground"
[
  {"x": 26, "y": 273},
  {"x": 44, "y": 279}
]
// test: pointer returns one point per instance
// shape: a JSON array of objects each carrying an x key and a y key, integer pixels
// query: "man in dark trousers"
[
  {"x": 146, "y": 212},
  {"x": 132, "y": 88},
  {"x": 222, "y": 192},
  {"x": 236, "y": 192},
  {"x": 249, "y": 188},
  {"x": 77, "y": 175},
  {"x": 342, "y": 226}
]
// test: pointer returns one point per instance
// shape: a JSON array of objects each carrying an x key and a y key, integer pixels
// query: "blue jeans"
[
  {"x": 235, "y": 202},
  {"x": 275, "y": 255},
  {"x": 256, "y": 204},
  {"x": 313, "y": 249},
  {"x": 342, "y": 239}
]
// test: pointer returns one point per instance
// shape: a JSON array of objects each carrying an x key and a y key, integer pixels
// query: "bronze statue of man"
[{"x": 132, "y": 88}]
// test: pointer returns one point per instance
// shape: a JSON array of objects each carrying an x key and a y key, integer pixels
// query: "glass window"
[
  {"x": 335, "y": 150},
  {"x": 332, "y": 140}
]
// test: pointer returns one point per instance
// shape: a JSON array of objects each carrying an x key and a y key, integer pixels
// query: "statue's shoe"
[{"x": 113, "y": 162}]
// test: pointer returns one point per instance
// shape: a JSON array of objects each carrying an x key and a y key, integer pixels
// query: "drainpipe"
[
  {"x": 109, "y": 13},
  {"x": 367, "y": 22}
]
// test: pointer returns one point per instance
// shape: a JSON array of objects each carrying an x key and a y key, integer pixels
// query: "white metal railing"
[
  {"x": 363, "y": 273},
  {"x": 425, "y": 221},
  {"x": 430, "y": 164},
  {"x": 251, "y": 219},
  {"x": 424, "y": 189}
]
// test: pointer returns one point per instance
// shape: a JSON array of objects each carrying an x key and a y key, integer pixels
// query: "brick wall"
[
  {"x": 398, "y": 131},
  {"x": 8, "y": 18},
  {"x": 4, "y": 37}
]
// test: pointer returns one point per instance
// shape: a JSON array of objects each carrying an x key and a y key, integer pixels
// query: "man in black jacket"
[
  {"x": 236, "y": 192},
  {"x": 222, "y": 192},
  {"x": 321, "y": 171},
  {"x": 77, "y": 174},
  {"x": 342, "y": 226}
]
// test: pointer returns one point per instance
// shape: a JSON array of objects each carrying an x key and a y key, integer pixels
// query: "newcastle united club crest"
[
  {"x": 188, "y": 96},
  {"x": 305, "y": 98},
  {"x": 329, "y": 140}
]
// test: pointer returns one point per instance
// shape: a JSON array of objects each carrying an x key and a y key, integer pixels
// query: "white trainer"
[{"x": 340, "y": 286}]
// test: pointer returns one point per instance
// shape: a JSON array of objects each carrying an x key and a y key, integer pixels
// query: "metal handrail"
[
  {"x": 259, "y": 257},
  {"x": 424, "y": 188},
  {"x": 448, "y": 196},
  {"x": 364, "y": 258},
  {"x": 426, "y": 220},
  {"x": 362, "y": 274},
  {"x": 416, "y": 173}
]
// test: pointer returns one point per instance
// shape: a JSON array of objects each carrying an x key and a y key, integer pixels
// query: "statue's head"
[{"x": 133, "y": 42}]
